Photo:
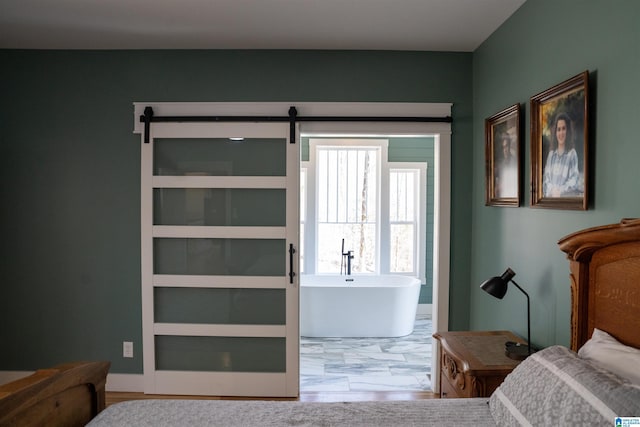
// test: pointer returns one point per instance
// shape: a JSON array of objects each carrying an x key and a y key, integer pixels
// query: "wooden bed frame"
[
  {"x": 605, "y": 294},
  {"x": 605, "y": 281},
  {"x": 66, "y": 395}
]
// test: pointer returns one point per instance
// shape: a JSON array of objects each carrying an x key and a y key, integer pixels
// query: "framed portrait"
[
  {"x": 502, "y": 157},
  {"x": 559, "y": 145}
]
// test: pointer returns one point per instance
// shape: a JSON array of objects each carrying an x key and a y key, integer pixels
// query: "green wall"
[
  {"x": 544, "y": 43},
  {"x": 71, "y": 174},
  {"x": 71, "y": 166}
]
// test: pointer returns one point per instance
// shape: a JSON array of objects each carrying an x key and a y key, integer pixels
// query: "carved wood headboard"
[{"x": 605, "y": 281}]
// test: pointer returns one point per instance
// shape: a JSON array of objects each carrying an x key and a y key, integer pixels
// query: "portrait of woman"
[
  {"x": 560, "y": 145},
  {"x": 561, "y": 175}
]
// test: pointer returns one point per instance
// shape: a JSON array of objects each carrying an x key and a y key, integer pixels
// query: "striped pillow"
[{"x": 556, "y": 387}]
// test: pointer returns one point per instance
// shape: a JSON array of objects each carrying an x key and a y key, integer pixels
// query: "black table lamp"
[{"x": 497, "y": 286}]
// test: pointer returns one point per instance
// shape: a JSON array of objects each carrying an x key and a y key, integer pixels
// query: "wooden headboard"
[
  {"x": 605, "y": 281},
  {"x": 67, "y": 395}
]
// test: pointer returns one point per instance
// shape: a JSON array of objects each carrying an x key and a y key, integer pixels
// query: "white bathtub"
[{"x": 358, "y": 306}]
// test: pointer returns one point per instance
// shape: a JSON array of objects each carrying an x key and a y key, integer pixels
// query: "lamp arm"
[{"x": 528, "y": 317}]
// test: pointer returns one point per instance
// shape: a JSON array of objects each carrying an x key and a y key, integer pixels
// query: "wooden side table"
[{"x": 473, "y": 363}]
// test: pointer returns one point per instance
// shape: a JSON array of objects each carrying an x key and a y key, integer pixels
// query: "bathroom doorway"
[{"x": 347, "y": 180}]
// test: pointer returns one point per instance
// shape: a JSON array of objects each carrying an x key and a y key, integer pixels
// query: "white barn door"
[{"x": 219, "y": 234}]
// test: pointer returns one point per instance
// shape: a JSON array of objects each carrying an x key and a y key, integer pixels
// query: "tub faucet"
[{"x": 349, "y": 256}]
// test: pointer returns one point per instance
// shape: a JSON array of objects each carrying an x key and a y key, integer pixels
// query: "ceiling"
[{"x": 426, "y": 25}]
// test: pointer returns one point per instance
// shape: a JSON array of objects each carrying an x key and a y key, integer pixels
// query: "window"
[
  {"x": 357, "y": 201},
  {"x": 347, "y": 207},
  {"x": 403, "y": 198},
  {"x": 303, "y": 214}
]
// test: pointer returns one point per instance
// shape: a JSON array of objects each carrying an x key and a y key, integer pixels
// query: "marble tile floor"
[{"x": 368, "y": 364}]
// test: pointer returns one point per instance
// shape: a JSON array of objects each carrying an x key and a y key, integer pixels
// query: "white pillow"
[{"x": 609, "y": 353}]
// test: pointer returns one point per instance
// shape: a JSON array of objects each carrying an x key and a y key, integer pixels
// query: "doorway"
[{"x": 376, "y": 193}]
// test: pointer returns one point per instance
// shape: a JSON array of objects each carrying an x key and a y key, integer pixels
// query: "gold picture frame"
[
  {"x": 502, "y": 158},
  {"x": 559, "y": 145}
]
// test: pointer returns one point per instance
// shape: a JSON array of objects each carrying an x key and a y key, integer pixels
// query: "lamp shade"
[{"x": 497, "y": 286}]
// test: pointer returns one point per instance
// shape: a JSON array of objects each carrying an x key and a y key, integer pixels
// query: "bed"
[{"x": 593, "y": 382}]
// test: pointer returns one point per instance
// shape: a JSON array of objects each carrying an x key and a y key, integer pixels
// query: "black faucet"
[{"x": 349, "y": 256}]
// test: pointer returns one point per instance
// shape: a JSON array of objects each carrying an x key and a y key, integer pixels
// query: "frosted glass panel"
[
  {"x": 219, "y": 207},
  {"x": 234, "y": 257},
  {"x": 220, "y": 306},
  {"x": 214, "y": 354},
  {"x": 219, "y": 157}
]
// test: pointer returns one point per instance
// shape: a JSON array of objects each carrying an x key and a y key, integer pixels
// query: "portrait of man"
[
  {"x": 506, "y": 166},
  {"x": 502, "y": 150}
]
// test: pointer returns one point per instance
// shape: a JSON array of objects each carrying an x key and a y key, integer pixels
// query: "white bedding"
[
  {"x": 430, "y": 412},
  {"x": 553, "y": 387}
]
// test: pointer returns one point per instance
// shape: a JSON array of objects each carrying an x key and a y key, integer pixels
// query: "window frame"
[
  {"x": 420, "y": 221},
  {"x": 383, "y": 225}
]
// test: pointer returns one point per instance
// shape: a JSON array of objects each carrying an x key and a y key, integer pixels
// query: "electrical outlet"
[{"x": 127, "y": 349}]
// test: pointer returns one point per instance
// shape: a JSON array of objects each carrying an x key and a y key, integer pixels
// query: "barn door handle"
[{"x": 291, "y": 272}]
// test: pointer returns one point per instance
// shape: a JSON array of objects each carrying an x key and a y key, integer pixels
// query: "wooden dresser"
[{"x": 473, "y": 363}]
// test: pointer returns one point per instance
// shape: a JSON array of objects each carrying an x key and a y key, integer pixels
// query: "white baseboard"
[
  {"x": 125, "y": 382},
  {"x": 424, "y": 309}
]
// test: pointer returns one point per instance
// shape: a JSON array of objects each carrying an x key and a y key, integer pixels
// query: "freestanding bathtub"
[{"x": 358, "y": 306}]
